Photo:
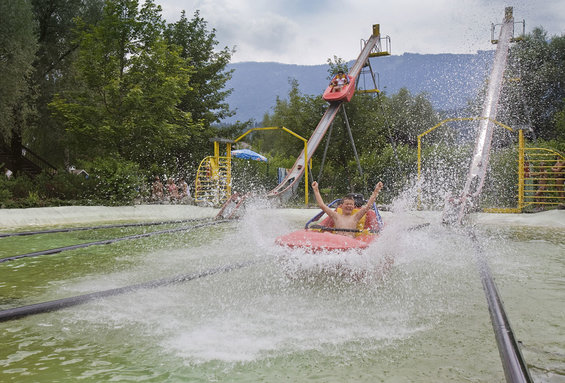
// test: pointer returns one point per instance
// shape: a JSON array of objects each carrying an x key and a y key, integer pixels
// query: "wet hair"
[{"x": 357, "y": 198}]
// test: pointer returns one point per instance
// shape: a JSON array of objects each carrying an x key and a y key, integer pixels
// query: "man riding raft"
[{"x": 348, "y": 219}]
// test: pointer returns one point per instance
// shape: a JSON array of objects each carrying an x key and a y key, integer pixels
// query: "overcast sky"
[{"x": 311, "y": 31}]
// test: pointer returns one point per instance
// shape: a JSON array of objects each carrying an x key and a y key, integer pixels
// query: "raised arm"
[
  {"x": 321, "y": 203},
  {"x": 370, "y": 202}
]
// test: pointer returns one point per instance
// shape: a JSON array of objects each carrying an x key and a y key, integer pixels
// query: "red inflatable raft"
[
  {"x": 345, "y": 94},
  {"x": 325, "y": 237},
  {"x": 314, "y": 240}
]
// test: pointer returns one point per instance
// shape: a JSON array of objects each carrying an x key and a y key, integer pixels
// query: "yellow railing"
[
  {"x": 305, "y": 141},
  {"x": 541, "y": 172},
  {"x": 213, "y": 180},
  {"x": 541, "y": 177},
  {"x": 421, "y": 135},
  {"x": 441, "y": 123}
]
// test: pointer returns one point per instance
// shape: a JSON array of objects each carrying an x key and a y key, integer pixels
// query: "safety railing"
[
  {"x": 541, "y": 173},
  {"x": 213, "y": 180},
  {"x": 543, "y": 181},
  {"x": 27, "y": 158},
  {"x": 38, "y": 161}
]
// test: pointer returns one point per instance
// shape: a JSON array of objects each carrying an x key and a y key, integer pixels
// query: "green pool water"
[{"x": 281, "y": 319}]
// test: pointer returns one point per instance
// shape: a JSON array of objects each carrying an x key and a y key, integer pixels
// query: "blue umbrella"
[{"x": 248, "y": 155}]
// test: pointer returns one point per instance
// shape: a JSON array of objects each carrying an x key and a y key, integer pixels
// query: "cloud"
[
  {"x": 258, "y": 32},
  {"x": 309, "y": 32}
]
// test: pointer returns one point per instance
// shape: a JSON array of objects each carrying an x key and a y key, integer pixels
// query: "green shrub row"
[{"x": 110, "y": 181}]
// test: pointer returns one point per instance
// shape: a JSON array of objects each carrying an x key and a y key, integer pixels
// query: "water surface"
[{"x": 290, "y": 316}]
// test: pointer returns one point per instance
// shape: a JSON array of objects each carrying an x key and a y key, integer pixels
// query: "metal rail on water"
[
  {"x": 59, "y": 304},
  {"x": 513, "y": 363}
]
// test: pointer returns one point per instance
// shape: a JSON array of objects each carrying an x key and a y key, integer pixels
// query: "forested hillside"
[{"x": 449, "y": 80}]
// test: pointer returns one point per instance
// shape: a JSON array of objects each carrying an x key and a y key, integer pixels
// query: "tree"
[
  {"x": 409, "y": 116},
  {"x": 299, "y": 113},
  {"x": 17, "y": 51},
  {"x": 560, "y": 127},
  {"x": 205, "y": 99},
  {"x": 335, "y": 65},
  {"x": 535, "y": 88},
  {"x": 129, "y": 82},
  {"x": 57, "y": 23}
]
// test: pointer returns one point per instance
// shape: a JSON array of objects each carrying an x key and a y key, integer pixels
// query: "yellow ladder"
[
  {"x": 542, "y": 181},
  {"x": 213, "y": 180}
]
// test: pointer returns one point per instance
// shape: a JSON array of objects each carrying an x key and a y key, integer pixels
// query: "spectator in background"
[
  {"x": 157, "y": 193},
  {"x": 184, "y": 191},
  {"x": 172, "y": 190}
]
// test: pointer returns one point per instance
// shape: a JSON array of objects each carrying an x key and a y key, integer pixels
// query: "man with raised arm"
[{"x": 346, "y": 220}]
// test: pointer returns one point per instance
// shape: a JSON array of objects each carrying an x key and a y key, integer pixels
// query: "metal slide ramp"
[
  {"x": 514, "y": 365},
  {"x": 456, "y": 209},
  {"x": 289, "y": 185}
]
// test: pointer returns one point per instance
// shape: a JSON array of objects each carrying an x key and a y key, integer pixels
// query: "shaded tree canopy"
[
  {"x": 143, "y": 90},
  {"x": 110, "y": 78},
  {"x": 18, "y": 45},
  {"x": 57, "y": 27},
  {"x": 534, "y": 93}
]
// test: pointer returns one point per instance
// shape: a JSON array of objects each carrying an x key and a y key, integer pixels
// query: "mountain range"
[{"x": 449, "y": 80}]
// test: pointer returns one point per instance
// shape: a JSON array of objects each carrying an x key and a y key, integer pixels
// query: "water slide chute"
[{"x": 289, "y": 185}]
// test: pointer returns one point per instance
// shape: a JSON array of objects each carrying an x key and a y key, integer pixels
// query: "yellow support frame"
[
  {"x": 522, "y": 203},
  {"x": 364, "y": 91},
  {"x": 421, "y": 135},
  {"x": 544, "y": 153},
  {"x": 217, "y": 179},
  {"x": 379, "y": 51},
  {"x": 217, "y": 161},
  {"x": 305, "y": 141}
]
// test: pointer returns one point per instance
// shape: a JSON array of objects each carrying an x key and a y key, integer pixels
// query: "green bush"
[
  {"x": 63, "y": 186},
  {"x": 111, "y": 181},
  {"x": 21, "y": 185},
  {"x": 5, "y": 192},
  {"x": 114, "y": 181},
  {"x": 250, "y": 176},
  {"x": 501, "y": 184}
]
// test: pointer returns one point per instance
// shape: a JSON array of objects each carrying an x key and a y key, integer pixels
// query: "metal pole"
[
  {"x": 306, "y": 173},
  {"x": 419, "y": 171},
  {"x": 44, "y": 307},
  {"x": 354, "y": 149},
  {"x": 515, "y": 369},
  {"x": 325, "y": 152},
  {"x": 520, "y": 169}
]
